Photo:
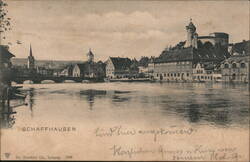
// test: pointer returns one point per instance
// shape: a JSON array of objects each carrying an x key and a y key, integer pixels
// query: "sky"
[{"x": 67, "y": 29}]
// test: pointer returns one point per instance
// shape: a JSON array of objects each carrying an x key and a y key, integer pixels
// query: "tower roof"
[
  {"x": 191, "y": 25},
  {"x": 90, "y": 53}
]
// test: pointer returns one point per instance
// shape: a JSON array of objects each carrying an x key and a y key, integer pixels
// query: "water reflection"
[
  {"x": 8, "y": 109},
  {"x": 209, "y": 104},
  {"x": 91, "y": 94},
  {"x": 7, "y": 118},
  {"x": 30, "y": 100}
]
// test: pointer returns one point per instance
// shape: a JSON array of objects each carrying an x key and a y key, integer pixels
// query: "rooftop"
[
  {"x": 4, "y": 52},
  {"x": 121, "y": 63}
]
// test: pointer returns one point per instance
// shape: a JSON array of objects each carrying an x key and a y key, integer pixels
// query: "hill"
[{"x": 53, "y": 64}]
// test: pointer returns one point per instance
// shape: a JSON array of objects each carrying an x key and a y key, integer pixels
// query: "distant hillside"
[{"x": 54, "y": 64}]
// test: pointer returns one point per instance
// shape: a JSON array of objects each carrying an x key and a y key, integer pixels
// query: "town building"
[
  {"x": 151, "y": 67},
  {"x": 89, "y": 69},
  {"x": 5, "y": 65},
  {"x": 180, "y": 62},
  {"x": 68, "y": 71},
  {"x": 206, "y": 72},
  {"x": 44, "y": 71},
  {"x": 236, "y": 68},
  {"x": 118, "y": 67}
]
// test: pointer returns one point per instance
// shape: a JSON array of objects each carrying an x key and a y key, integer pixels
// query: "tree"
[{"x": 4, "y": 21}]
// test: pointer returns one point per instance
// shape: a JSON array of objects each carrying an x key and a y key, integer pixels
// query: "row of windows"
[
  {"x": 199, "y": 71},
  {"x": 109, "y": 69},
  {"x": 203, "y": 77},
  {"x": 176, "y": 63},
  {"x": 172, "y": 74},
  {"x": 234, "y": 65}
]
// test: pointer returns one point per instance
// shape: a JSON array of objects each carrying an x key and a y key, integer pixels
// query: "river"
[{"x": 206, "y": 107}]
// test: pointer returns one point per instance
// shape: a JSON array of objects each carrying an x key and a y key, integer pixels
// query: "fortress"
[
  {"x": 180, "y": 63},
  {"x": 213, "y": 38}
]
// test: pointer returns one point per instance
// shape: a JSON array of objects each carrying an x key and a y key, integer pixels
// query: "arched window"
[
  {"x": 242, "y": 65},
  {"x": 226, "y": 66},
  {"x": 234, "y": 65}
]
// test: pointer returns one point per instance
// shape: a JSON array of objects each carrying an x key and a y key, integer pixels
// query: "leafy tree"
[{"x": 4, "y": 21}]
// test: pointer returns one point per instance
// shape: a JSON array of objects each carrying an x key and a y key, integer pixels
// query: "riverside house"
[
  {"x": 5, "y": 65},
  {"x": 118, "y": 67}
]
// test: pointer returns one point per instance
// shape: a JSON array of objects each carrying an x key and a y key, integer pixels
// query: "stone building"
[
  {"x": 118, "y": 67},
  {"x": 216, "y": 38},
  {"x": 206, "y": 72},
  {"x": 89, "y": 69},
  {"x": 178, "y": 63},
  {"x": 174, "y": 66},
  {"x": 235, "y": 69}
]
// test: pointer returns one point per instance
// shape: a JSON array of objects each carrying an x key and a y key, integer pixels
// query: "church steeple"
[
  {"x": 90, "y": 56},
  {"x": 31, "y": 60},
  {"x": 30, "y": 50}
]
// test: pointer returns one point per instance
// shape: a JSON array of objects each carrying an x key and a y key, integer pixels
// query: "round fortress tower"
[
  {"x": 220, "y": 38},
  {"x": 215, "y": 38}
]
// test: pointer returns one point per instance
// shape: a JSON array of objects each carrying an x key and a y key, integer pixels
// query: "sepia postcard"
[{"x": 124, "y": 80}]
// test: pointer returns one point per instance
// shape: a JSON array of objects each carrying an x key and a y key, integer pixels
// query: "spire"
[{"x": 30, "y": 50}]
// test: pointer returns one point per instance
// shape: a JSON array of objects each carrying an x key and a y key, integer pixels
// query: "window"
[
  {"x": 201, "y": 77},
  {"x": 226, "y": 66},
  {"x": 174, "y": 74},
  {"x": 178, "y": 74},
  {"x": 187, "y": 74},
  {"x": 164, "y": 74},
  {"x": 171, "y": 74},
  {"x": 157, "y": 74},
  {"x": 234, "y": 65},
  {"x": 168, "y": 74},
  {"x": 242, "y": 65}
]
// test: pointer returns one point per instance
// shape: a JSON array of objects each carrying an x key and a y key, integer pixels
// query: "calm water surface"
[{"x": 155, "y": 104}]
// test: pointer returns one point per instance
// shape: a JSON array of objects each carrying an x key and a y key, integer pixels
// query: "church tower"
[
  {"x": 31, "y": 60},
  {"x": 191, "y": 34},
  {"x": 90, "y": 56}
]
